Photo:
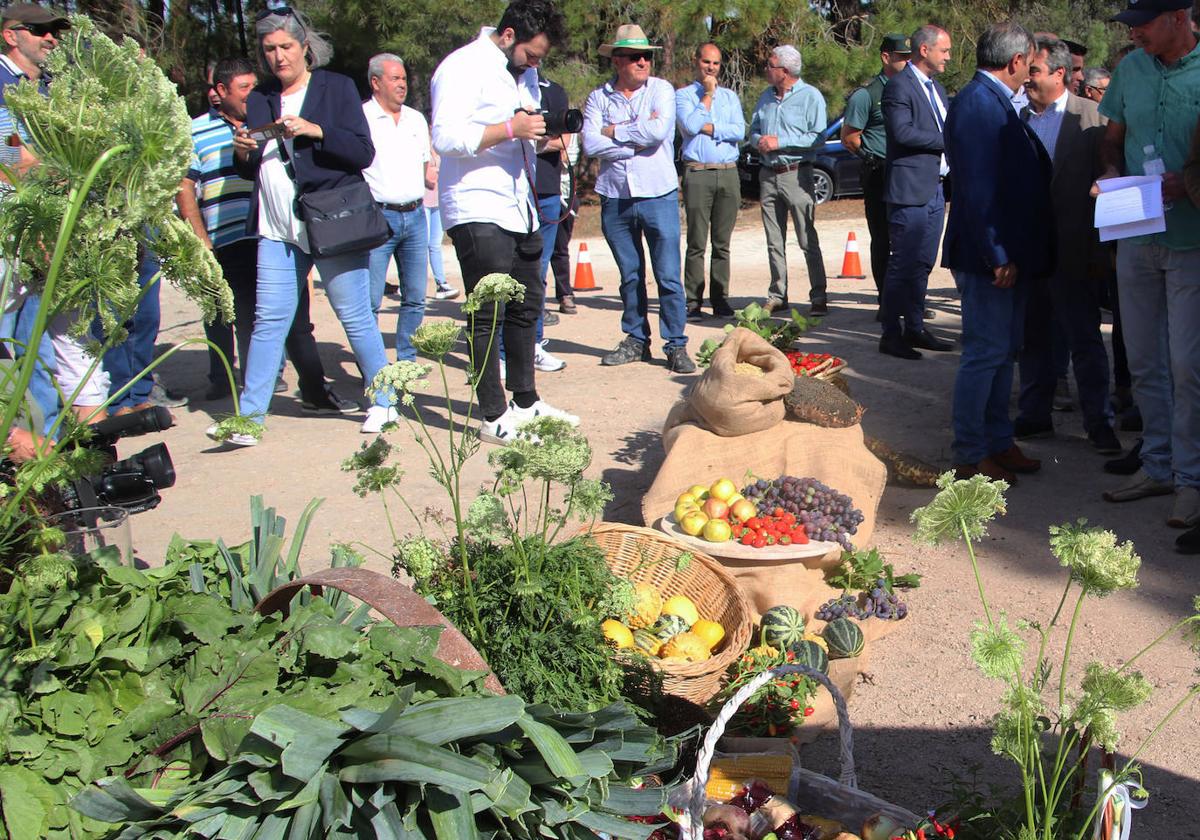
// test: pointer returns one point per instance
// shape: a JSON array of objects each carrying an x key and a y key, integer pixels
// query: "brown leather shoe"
[
  {"x": 1015, "y": 460},
  {"x": 987, "y": 467},
  {"x": 123, "y": 410}
]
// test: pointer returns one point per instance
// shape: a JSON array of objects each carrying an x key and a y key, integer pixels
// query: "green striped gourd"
[
  {"x": 646, "y": 642},
  {"x": 844, "y": 638},
  {"x": 668, "y": 626},
  {"x": 810, "y": 654},
  {"x": 782, "y": 627}
]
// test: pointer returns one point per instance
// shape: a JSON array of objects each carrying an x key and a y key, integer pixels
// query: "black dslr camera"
[
  {"x": 132, "y": 483},
  {"x": 558, "y": 123}
]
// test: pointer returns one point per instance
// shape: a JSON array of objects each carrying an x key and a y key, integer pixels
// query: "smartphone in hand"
[{"x": 263, "y": 133}]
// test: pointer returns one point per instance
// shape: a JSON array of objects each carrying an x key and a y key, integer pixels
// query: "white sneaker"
[
  {"x": 377, "y": 417},
  {"x": 544, "y": 409},
  {"x": 237, "y": 438},
  {"x": 447, "y": 293},
  {"x": 544, "y": 360},
  {"x": 506, "y": 428}
]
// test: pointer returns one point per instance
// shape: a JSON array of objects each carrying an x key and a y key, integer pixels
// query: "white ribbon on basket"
[
  {"x": 693, "y": 826},
  {"x": 1121, "y": 799}
]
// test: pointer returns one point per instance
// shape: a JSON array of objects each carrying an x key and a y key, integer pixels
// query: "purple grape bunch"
[
  {"x": 827, "y": 515},
  {"x": 844, "y": 606},
  {"x": 883, "y": 604}
]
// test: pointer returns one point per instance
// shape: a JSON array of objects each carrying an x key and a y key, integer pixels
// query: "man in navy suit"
[
  {"x": 997, "y": 241},
  {"x": 914, "y": 110}
]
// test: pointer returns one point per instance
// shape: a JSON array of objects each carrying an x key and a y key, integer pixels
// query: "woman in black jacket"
[{"x": 325, "y": 143}]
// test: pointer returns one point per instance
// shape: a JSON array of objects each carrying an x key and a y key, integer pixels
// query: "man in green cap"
[{"x": 865, "y": 134}]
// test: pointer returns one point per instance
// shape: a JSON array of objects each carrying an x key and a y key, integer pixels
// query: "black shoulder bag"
[{"x": 341, "y": 220}]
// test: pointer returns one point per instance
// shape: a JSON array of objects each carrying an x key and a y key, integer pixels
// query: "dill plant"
[{"x": 1043, "y": 721}]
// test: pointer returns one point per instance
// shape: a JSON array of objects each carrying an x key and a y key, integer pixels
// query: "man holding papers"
[
  {"x": 1153, "y": 109},
  {"x": 1069, "y": 128}
]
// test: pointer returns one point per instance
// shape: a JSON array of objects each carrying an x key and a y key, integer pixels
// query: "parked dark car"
[{"x": 836, "y": 172}]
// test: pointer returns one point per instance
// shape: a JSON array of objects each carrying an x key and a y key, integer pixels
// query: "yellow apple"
[
  {"x": 743, "y": 509},
  {"x": 687, "y": 499},
  {"x": 722, "y": 489},
  {"x": 682, "y": 510},
  {"x": 736, "y": 497},
  {"x": 693, "y": 523},
  {"x": 699, "y": 491},
  {"x": 717, "y": 530},
  {"x": 715, "y": 508}
]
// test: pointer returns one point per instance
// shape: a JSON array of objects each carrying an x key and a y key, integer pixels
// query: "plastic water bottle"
[{"x": 1153, "y": 165}]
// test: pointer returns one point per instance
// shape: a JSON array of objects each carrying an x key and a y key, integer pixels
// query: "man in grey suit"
[{"x": 1070, "y": 128}]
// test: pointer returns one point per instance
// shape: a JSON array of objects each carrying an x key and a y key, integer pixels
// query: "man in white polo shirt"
[
  {"x": 487, "y": 129},
  {"x": 397, "y": 180}
]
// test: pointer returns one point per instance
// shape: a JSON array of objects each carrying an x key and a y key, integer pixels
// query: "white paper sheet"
[{"x": 1129, "y": 206}]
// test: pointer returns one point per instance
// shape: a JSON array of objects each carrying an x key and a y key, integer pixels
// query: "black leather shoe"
[
  {"x": 819, "y": 309},
  {"x": 1189, "y": 541},
  {"x": 722, "y": 309},
  {"x": 1105, "y": 441},
  {"x": 1127, "y": 464},
  {"x": 695, "y": 313},
  {"x": 1029, "y": 429},
  {"x": 897, "y": 347},
  {"x": 925, "y": 340}
]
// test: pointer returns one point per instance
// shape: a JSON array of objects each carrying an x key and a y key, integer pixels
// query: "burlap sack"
[
  {"x": 730, "y": 403},
  {"x": 838, "y": 457}
]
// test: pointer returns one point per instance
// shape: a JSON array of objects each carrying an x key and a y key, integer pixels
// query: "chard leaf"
[{"x": 27, "y": 801}]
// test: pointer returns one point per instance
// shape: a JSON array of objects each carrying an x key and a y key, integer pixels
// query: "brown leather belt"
[
  {"x": 696, "y": 165},
  {"x": 400, "y": 208},
  {"x": 788, "y": 167}
]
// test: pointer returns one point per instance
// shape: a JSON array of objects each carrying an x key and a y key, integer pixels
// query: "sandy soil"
[{"x": 922, "y": 711}]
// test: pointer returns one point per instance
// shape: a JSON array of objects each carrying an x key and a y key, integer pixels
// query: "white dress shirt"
[
  {"x": 1048, "y": 123},
  {"x": 397, "y": 174},
  {"x": 935, "y": 104},
  {"x": 473, "y": 89}
]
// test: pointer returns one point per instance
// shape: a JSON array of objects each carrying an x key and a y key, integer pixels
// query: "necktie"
[{"x": 933, "y": 100}]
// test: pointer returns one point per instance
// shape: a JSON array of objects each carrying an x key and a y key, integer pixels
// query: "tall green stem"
[
  {"x": 975, "y": 568},
  {"x": 1066, "y": 660}
]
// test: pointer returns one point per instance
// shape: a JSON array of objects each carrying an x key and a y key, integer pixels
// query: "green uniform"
[{"x": 863, "y": 113}]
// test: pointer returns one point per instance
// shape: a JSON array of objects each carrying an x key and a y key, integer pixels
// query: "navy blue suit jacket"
[
  {"x": 914, "y": 141},
  {"x": 332, "y": 102},
  {"x": 1001, "y": 212}
]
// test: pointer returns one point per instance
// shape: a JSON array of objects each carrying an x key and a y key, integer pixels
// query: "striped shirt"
[
  {"x": 224, "y": 195},
  {"x": 10, "y": 74}
]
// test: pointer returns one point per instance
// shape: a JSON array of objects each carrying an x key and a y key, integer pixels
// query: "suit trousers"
[
  {"x": 873, "y": 182},
  {"x": 993, "y": 322},
  {"x": 484, "y": 248},
  {"x": 711, "y": 198},
  {"x": 1066, "y": 307},
  {"x": 783, "y": 195},
  {"x": 914, "y": 232}
]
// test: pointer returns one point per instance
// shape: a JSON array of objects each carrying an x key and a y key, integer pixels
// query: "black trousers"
[
  {"x": 484, "y": 248},
  {"x": 239, "y": 262},
  {"x": 873, "y": 182},
  {"x": 560, "y": 258}
]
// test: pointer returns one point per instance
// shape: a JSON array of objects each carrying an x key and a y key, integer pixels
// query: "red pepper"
[{"x": 808, "y": 710}]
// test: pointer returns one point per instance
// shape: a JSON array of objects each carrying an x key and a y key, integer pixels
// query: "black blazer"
[
  {"x": 333, "y": 103},
  {"x": 914, "y": 141}
]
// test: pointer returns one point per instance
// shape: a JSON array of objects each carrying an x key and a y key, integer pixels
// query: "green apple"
[
  {"x": 717, "y": 530},
  {"x": 693, "y": 523},
  {"x": 722, "y": 489}
]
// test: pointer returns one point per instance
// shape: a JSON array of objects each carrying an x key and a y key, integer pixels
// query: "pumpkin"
[
  {"x": 782, "y": 626},
  {"x": 710, "y": 631},
  {"x": 810, "y": 654},
  {"x": 845, "y": 638},
  {"x": 647, "y": 606},
  {"x": 618, "y": 634},
  {"x": 682, "y": 606},
  {"x": 668, "y": 626},
  {"x": 646, "y": 642},
  {"x": 686, "y": 646}
]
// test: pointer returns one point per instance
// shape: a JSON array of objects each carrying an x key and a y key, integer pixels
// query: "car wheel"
[{"x": 822, "y": 185}]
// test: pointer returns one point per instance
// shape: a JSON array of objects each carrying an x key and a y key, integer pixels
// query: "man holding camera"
[
  {"x": 487, "y": 128},
  {"x": 629, "y": 124}
]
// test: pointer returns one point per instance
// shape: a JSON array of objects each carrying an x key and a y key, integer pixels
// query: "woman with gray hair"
[{"x": 316, "y": 138}]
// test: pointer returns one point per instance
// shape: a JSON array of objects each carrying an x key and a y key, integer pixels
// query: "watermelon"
[
  {"x": 844, "y": 638},
  {"x": 782, "y": 627},
  {"x": 668, "y": 626},
  {"x": 810, "y": 654}
]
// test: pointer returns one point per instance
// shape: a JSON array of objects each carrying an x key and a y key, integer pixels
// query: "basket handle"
[{"x": 704, "y": 758}]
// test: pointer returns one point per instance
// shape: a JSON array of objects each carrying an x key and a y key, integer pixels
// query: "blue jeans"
[
  {"x": 136, "y": 352},
  {"x": 282, "y": 269},
  {"x": 1160, "y": 308},
  {"x": 913, "y": 235},
  {"x": 625, "y": 221},
  {"x": 19, "y": 327},
  {"x": 408, "y": 246},
  {"x": 434, "y": 233},
  {"x": 993, "y": 322}
]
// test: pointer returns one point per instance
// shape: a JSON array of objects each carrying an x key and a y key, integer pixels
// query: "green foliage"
[
  {"x": 779, "y": 333},
  {"x": 776, "y": 708},
  {"x": 860, "y": 569}
]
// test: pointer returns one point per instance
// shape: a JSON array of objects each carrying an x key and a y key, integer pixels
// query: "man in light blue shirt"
[
  {"x": 788, "y": 118},
  {"x": 629, "y": 125},
  {"x": 711, "y": 124}
]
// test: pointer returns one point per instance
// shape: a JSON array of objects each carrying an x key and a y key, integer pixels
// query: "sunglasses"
[
  {"x": 282, "y": 11},
  {"x": 634, "y": 58},
  {"x": 41, "y": 30}
]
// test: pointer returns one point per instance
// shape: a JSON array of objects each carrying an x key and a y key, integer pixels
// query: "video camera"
[
  {"x": 132, "y": 483},
  {"x": 558, "y": 123}
]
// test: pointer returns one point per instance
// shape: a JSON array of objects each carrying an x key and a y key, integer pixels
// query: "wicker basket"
[
  {"x": 813, "y": 793},
  {"x": 716, "y": 595}
]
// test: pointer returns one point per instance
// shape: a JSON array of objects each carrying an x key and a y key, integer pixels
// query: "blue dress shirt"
[{"x": 729, "y": 126}]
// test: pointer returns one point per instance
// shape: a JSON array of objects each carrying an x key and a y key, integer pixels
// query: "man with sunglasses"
[{"x": 629, "y": 124}]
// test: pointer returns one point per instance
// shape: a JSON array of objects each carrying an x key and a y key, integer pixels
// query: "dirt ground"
[{"x": 922, "y": 711}]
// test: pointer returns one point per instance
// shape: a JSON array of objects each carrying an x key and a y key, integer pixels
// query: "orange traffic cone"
[
  {"x": 851, "y": 264},
  {"x": 585, "y": 281}
]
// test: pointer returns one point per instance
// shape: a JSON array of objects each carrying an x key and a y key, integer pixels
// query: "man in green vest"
[{"x": 864, "y": 134}]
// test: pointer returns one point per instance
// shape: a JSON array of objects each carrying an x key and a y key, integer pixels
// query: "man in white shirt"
[
  {"x": 1068, "y": 301},
  {"x": 487, "y": 130},
  {"x": 397, "y": 180}
]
